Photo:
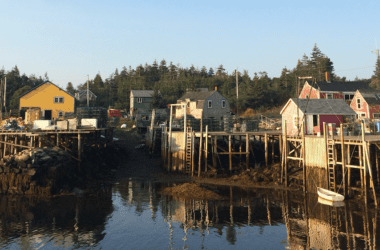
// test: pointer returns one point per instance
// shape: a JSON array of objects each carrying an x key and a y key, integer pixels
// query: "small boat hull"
[
  {"x": 329, "y": 195},
  {"x": 331, "y": 203}
]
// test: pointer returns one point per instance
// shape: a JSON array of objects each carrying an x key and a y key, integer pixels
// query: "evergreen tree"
[{"x": 70, "y": 88}]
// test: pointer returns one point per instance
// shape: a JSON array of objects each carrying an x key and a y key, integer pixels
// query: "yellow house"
[{"x": 53, "y": 101}]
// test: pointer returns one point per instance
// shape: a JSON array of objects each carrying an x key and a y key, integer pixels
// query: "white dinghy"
[
  {"x": 329, "y": 195},
  {"x": 331, "y": 203}
]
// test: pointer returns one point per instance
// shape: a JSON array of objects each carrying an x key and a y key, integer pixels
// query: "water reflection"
[
  {"x": 135, "y": 215},
  {"x": 66, "y": 222}
]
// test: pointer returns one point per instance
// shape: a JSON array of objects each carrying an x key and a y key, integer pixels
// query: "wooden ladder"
[
  {"x": 331, "y": 164},
  {"x": 188, "y": 151}
]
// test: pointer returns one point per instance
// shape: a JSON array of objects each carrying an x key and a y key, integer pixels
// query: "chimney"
[
  {"x": 327, "y": 76},
  {"x": 216, "y": 88}
]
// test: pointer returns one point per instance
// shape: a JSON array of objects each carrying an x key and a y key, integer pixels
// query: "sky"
[{"x": 72, "y": 39}]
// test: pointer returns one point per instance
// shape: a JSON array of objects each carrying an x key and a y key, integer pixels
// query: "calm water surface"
[{"x": 133, "y": 214}]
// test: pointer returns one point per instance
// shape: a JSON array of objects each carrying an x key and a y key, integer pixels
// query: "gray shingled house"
[
  {"x": 141, "y": 99},
  {"x": 313, "y": 113},
  {"x": 204, "y": 103}
]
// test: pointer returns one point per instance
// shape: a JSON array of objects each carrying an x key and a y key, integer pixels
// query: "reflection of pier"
[
  {"x": 312, "y": 225},
  {"x": 74, "y": 223}
]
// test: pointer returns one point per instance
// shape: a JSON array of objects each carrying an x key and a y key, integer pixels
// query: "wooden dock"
[{"x": 73, "y": 141}]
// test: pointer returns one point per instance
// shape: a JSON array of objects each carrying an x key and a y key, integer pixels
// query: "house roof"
[
  {"x": 340, "y": 86},
  {"x": 371, "y": 96},
  {"x": 322, "y": 106},
  {"x": 143, "y": 93},
  {"x": 43, "y": 84},
  {"x": 197, "y": 95}
]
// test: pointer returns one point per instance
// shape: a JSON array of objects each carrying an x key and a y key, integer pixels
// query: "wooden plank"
[
  {"x": 295, "y": 158},
  {"x": 200, "y": 149},
  {"x": 343, "y": 161},
  {"x": 230, "y": 153},
  {"x": 266, "y": 148},
  {"x": 370, "y": 172},
  {"x": 206, "y": 149},
  {"x": 247, "y": 151},
  {"x": 365, "y": 164}
]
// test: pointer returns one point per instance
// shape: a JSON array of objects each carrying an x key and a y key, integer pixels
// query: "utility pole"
[
  {"x": 237, "y": 91},
  {"x": 88, "y": 100},
  {"x": 5, "y": 94}
]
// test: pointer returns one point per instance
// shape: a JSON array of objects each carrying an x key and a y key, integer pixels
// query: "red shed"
[{"x": 313, "y": 113}]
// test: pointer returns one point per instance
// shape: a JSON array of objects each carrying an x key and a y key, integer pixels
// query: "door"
[
  {"x": 47, "y": 114},
  {"x": 309, "y": 124}
]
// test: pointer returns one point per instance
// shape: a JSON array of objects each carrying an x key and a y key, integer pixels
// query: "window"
[
  {"x": 358, "y": 103},
  {"x": 348, "y": 97},
  {"x": 307, "y": 96},
  {"x": 362, "y": 115},
  {"x": 58, "y": 99},
  {"x": 329, "y": 96},
  {"x": 209, "y": 104},
  {"x": 188, "y": 104},
  {"x": 223, "y": 104},
  {"x": 60, "y": 114},
  {"x": 139, "y": 100},
  {"x": 376, "y": 115}
]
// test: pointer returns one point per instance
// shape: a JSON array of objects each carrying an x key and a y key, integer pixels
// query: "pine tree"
[
  {"x": 375, "y": 79},
  {"x": 70, "y": 88}
]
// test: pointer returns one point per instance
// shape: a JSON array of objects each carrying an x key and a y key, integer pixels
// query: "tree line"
[{"x": 259, "y": 92}]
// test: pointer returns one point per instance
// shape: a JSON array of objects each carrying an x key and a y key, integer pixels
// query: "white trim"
[
  {"x": 61, "y": 114},
  {"x": 223, "y": 102},
  {"x": 361, "y": 115},
  {"x": 358, "y": 98},
  {"x": 373, "y": 115},
  {"x": 209, "y": 104},
  {"x": 139, "y": 99},
  {"x": 58, "y": 99},
  {"x": 330, "y": 94}
]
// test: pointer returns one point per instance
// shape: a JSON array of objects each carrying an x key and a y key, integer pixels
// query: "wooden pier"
[
  {"x": 197, "y": 152},
  {"x": 73, "y": 141}
]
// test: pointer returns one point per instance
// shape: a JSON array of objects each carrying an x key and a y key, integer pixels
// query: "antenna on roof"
[{"x": 376, "y": 51}]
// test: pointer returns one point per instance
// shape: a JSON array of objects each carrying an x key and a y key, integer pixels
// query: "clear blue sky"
[{"x": 72, "y": 39}]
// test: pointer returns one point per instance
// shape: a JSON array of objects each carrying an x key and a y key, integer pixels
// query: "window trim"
[
  {"x": 139, "y": 99},
  {"x": 373, "y": 115},
  {"x": 61, "y": 114},
  {"x": 56, "y": 99},
  {"x": 329, "y": 94},
  {"x": 223, "y": 103},
  {"x": 363, "y": 113},
  {"x": 209, "y": 104},
  {"x": 358, "y": 103}
]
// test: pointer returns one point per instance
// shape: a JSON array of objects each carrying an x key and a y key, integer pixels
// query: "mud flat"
[{"x": 192, "y": 191}]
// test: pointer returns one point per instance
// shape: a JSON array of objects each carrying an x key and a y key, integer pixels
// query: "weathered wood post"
[
  {"x": 192, "y": 152},
  {"x": 215, "y": 151},
  {"x": 79, "y": 147},
  {"x": 365, "y": 164},
  {"x": 200, "y": 147},
  {"x": 5, "y": 145},
  {"x": 343, "y": 161},
  {"x": 325, "y": 133},
  {"x": 230, "y": 153},
  {"x": 206, "y": 149},
  {"x": 377, "y": 163},
  {"x": 273, "y": 149},
  {"x": 266, "y": 148},
  {"x": 286, "y": 156},
  {"x": 247, "y": 150},
  {"x": 57, "y": 139},
  {"x": 170, "y": 137},
  {"x": 303, "y": 157}
]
